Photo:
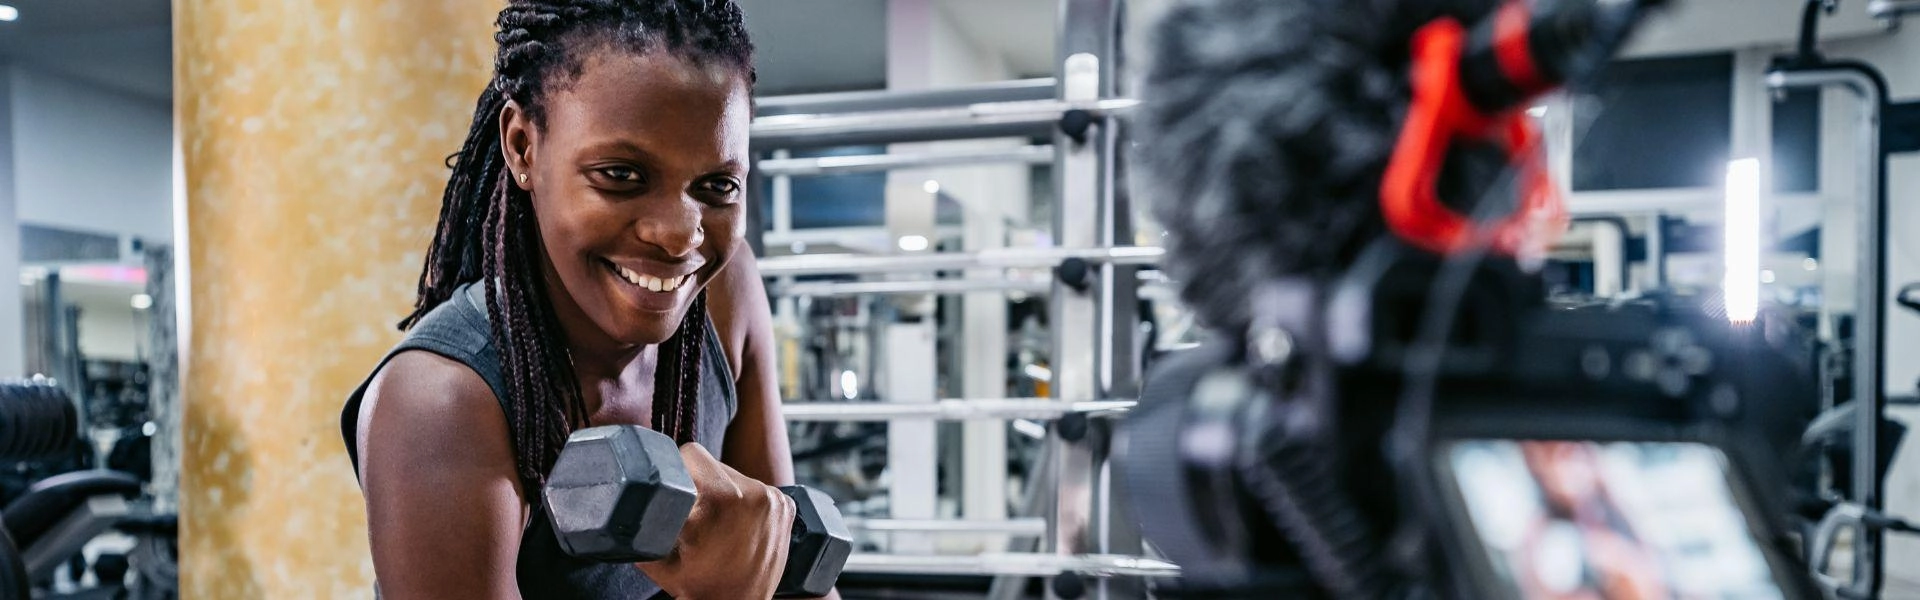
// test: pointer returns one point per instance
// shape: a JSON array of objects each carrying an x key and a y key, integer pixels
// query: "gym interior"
[{"x": 218, "y": 211}]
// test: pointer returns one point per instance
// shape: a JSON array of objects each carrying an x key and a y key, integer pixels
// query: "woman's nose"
[{"x": 673, "y": 225}]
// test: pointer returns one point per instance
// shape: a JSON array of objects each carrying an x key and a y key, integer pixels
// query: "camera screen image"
[{"x": 1608, "y": 520}]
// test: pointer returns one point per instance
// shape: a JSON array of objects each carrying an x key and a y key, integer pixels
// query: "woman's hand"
[{"x": 734, "y": 544}]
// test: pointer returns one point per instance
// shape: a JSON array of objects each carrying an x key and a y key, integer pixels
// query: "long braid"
[
  {"x": 488, "y": 231},
  {"x": 676, "y": 388}
]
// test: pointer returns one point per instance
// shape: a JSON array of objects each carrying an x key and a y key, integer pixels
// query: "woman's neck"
[{"x": 602, "y": 364}]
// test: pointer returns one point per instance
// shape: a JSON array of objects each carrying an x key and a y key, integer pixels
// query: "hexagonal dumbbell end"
[
  {"x": 619, "y": 493},
  {"x": 820, "y": 547}
]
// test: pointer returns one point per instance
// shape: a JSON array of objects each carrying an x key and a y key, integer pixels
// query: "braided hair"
[
  {"x": 487, "y": 230},
  {"x": 1271, "y": 123}
]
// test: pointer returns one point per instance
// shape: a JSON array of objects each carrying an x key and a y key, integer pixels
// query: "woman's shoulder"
[
  {"x": 423, "y": 406},
  {"x": 436, "y": 381}
]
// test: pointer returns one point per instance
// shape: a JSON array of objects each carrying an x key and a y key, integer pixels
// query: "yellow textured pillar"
[{"x": 313, "y": 136}]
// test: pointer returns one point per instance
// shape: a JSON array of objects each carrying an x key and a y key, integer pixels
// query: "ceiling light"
[
  {"x": 914, "y": 243},
  {"x": 931, "y": 186},
  {"x": 8, "y": 13},
  {"x": 142, "y": 301}
]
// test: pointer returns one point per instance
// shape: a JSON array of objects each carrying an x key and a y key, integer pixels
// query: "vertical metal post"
[
  {"x": 1869, "y": 330},
  {"x": 1870, "y": 338},
  {"x": 1074, "y": 308},
  {"x": 1657, "y": 250},
  {"x": 1092, "y": 324},
  {"x": 912, "y": 459}
]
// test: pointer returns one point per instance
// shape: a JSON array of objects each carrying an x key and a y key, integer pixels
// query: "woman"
[{"x": 595, "y": 208}]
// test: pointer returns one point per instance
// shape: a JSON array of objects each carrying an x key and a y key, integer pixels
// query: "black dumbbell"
[{"x": 621, "y": 493}]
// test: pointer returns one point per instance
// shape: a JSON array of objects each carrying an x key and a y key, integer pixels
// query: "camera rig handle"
[{"x": 1468, "y": 86}]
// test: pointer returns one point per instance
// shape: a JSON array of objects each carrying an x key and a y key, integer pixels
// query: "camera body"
[{"x": 1532, "y": 450}]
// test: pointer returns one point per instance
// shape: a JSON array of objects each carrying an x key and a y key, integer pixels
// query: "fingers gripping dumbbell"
[{"x": 621, "y": 493}]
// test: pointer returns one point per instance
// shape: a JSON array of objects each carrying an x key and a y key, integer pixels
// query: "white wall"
[
  {"x": 110, "y": 329},
  {"x": 90, "y": 159}
]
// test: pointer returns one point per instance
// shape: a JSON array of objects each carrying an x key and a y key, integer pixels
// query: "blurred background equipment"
[
  {"x": 73, "y": 534},
  {"x": 967, "y": 281}
]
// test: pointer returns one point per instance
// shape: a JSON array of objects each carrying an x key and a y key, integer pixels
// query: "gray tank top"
[{"x": 458, "y": 329}]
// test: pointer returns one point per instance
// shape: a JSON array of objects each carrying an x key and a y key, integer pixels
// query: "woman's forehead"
[{"x": 652, "y": 95}]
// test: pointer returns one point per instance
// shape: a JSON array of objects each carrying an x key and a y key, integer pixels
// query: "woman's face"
[{"x": 638, "y": 180}]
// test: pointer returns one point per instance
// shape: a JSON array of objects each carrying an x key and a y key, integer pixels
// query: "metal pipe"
[
  {"x": 834, "y": 102},
  {"x": 952, "y": 409},
  {"x": 1657, "y": 250},
  {"x": 998, "y": 258},
  {"x": 1027, "y": 564},
  {"x": 898, "y": 288},
  {"x": 1014, "y": 527},
  {"x": 1892, "y": 9},
  {"x": 985, "y": 120},
  {"x": 1151, "y": 283},
  {"x": 834, "y": 165},
  {"x": 1870, "y": 312}
]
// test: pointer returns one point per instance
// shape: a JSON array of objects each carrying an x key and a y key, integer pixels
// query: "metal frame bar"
[
  {"x": 902, "y": 288},
  {"x": 1000, "y": 91},
  {"x": 1012, "y": 563},
  {"x": 835, "y": 165},
  {"x": 1027, "y": 118},
  {"x": 1085, "y": 320},
  {"x": 1152, "y": 284},
  {"x": 1000, "y": 258},
  {"x": 1870, "y": 313},
  {"x": 1892, "y": 9},
  {"x": 1031, "y": 528},
  {"x": 72, "y": 533},
  {"x": 952, "y": 409}
]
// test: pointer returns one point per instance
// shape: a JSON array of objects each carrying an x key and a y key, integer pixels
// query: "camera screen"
[{"x": 1606, "y": 520}]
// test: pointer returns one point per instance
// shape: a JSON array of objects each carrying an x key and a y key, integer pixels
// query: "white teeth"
[{"x": 650, "y": 282}]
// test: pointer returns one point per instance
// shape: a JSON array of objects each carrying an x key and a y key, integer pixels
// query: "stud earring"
[{"x": 523, "y": 179}]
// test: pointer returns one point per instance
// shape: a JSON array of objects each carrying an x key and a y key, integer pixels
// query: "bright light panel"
[
  {"x": 913, "y": 243},
  {"x": 849, "y": 385},
  {"x": 8, "y": 13},
  {"x": 1742, "y": 232}
]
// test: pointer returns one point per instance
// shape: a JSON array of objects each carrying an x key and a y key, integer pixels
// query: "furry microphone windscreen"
[{"x": 1263, "y": 133}]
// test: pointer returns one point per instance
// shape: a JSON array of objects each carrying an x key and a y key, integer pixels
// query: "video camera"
[{"x": 1421, "y": 421}]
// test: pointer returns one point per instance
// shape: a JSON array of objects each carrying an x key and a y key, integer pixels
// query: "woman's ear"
[{"x": 517, "y": 136}]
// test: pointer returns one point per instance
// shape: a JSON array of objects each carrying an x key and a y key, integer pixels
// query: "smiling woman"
[{"x": 594, "y": 208}]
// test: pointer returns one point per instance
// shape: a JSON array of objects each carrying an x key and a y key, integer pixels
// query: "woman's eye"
[
  {"x": 722, "y": 186},
  {"x": 621, "y": 174}
]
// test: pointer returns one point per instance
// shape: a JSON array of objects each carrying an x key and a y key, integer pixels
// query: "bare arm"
[
  {"x": 444, "y": 504},
  {"x": 757, "y": 439}
]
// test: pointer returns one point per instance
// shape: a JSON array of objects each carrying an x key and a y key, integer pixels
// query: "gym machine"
[
  {"x": 49, "y": 525},
  {"x": 1071, "y": 532}
]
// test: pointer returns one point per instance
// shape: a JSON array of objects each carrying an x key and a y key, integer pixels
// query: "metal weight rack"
[{"x": 1085, "y": 544}]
